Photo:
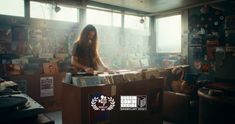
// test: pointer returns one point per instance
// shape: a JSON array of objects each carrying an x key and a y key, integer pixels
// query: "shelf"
[
  {"x": 229, "y": 22},
  {"x": 229, "y": 29},
  {"x": 5, "y": 42},
  {"x": 196, "y": 45}
]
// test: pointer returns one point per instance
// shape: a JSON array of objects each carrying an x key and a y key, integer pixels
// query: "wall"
[{"x": 208, "y": 24}]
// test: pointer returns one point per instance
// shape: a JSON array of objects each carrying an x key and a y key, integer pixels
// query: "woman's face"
[{"x": 91, "y": 35}]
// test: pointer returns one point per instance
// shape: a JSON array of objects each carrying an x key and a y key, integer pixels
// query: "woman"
[{"x": 85, "y": 52}]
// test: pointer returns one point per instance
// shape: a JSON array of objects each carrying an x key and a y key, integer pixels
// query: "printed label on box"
[{"x": 46, "y": 86}]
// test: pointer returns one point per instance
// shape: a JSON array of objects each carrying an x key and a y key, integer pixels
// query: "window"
[
  {"x": 46, "y": 11},
  {"x": 103, "y": 18},
  {"x": 133, "y": 22},
  {"x": 67, "y": 14},
  {"x": 168, "y": 34},
  {"x": 115, "y": 39},
  {"x": 40, "y": 10},
  {"x": 12, "y": 7}
]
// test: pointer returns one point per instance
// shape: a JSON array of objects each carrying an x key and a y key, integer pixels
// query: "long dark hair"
[{"x": 83, "y": 41}]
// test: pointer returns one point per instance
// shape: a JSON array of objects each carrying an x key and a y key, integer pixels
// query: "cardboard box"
[{"x": 50, "y": 68}]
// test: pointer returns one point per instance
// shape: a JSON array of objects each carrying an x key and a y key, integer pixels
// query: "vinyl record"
[
  {"x": 221, "y": 17},
  {"x": 205, "y": 67},
  {"x": 11, "y": 103},
  {"x": 197, "y": 64}
]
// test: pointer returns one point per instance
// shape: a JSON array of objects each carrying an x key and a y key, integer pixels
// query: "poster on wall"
[{"x": 46, "y": 86}]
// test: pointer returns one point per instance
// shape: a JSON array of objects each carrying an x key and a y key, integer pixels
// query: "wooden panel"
[
  {"x": 76, "y": 103},
  {"x": 87, "y": 93},
  {"x": 71, "y": 108}
]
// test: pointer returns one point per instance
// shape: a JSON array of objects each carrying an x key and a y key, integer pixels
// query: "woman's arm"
[
  {"x": 102, "y": 64},
  {"x": 75, "y": 63}
]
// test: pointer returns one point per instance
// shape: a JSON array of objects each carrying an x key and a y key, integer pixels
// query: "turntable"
[
  {"x": 18, "y": 106},
  {"x": 12, "y": 103},
  {"x": 15, "y": 106}
]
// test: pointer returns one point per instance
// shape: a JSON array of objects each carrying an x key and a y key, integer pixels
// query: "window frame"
[{"x": 51, "y": 13}]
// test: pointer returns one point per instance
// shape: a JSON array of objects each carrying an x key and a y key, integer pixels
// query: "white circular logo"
[{"x": 103, "y": 103}]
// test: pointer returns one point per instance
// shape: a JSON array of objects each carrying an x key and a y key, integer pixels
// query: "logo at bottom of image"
[
  {"x": 134, "y": 102},
  {"x": 102, "y": 103}
]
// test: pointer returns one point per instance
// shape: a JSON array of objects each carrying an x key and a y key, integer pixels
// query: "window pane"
[
  {"x": 116, "y": 20},
  {"x": 168, "y": 33},
  {"x": 46, "y": 11},
  {"x": 40, "y": 10},
  {"x": 66, "y": 14},
  {"x": 12, "y": 7},
  {"x": 133, "y": 22},
  {"x": 103, "y": 18}
]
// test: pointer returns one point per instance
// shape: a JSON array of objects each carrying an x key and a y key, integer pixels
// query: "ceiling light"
[
  {"x": 142, "y": 20},
  {"x": 57, "y": 8}
]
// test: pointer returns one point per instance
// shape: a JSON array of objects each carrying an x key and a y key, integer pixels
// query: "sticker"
[
  {"x": 46, "y": 86},
  {"x": 102, "y": 103}
]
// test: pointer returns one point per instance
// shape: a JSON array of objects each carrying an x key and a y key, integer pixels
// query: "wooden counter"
[{"x": 77, "y": 108}]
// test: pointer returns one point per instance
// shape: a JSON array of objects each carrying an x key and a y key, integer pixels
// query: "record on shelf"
[
  {"x": 196, "y": 40},
  {"x": 204, "y": 9},
  {"x": 210, "y": 19},
  {"x": 194, "y": 19},
  {"x": 221, "y": 17},
  {"x": 205, "y": 67},
  {"x": 197, "y": 64},
  {"x": 216, "y": 23},
  {"x": 203, "y": 19},
  {"x": 197, "y": 52},
  {"x": 217, "y": 13},
  {"x": 202, "y": 31},
  {"x": 50, "y": 68}
]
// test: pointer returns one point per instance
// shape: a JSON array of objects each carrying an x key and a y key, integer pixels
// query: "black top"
[{"x": 84, "y": 55}]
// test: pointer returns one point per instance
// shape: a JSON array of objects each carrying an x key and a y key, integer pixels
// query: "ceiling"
[
  {"x": 150, "y": 7},
  {"x": 154, "y": 6}
]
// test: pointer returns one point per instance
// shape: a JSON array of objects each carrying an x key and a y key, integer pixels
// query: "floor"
[{"x": 57, "y": 117}]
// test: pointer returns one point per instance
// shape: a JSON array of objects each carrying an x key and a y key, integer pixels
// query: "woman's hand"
[
  {"x": 89, "y": 70},
  {"x": 106, "y": 69}
]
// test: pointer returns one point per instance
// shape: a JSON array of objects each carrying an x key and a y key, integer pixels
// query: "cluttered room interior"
[{"x": 117, "y": 61}]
